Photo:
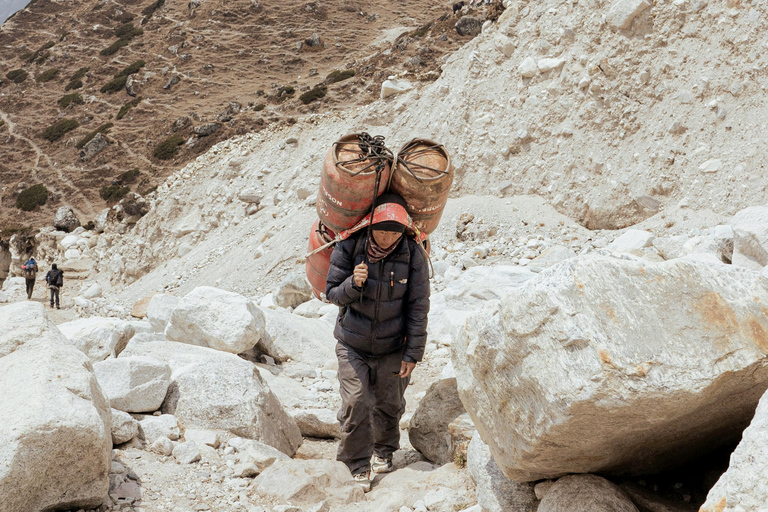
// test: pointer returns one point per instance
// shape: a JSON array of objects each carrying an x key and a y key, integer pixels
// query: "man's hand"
[
  {"x": 406, "y": 369},
  {"x": 360, "y": 274}
]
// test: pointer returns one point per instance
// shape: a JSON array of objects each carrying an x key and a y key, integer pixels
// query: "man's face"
[{"x": 386, "y": 239}]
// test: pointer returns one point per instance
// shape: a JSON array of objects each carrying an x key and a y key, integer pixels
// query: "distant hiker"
[
  {"x": 458, "y": 6},
  {"x": 55, "y": 280},
  {"x": 29, "y": 270},
  {"x": 381, "y": 284}
]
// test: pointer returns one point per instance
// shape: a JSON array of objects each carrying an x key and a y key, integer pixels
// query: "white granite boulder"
[
  {"x": 218, "y": 319},
  {"x": 134, "y": 384},
  {"x": 25, "y": 321},
  {"x": 592, "y": 352},
  {"x": 744, "y": 485},
  {"x": 320, "y": 423},
  {"x": 124, "y": 427},
  {"x": 98, "y": 338},
  {"x": 307, "y": 482},
  {"x": 750, "y": 237},
  {"x": 55, "y": 423},
  {"x": 215, "y": 390},
  {"x": 159, "y": 310},
  {"x": 495, "y": 492},
  {"x": 292, "y": 337}
]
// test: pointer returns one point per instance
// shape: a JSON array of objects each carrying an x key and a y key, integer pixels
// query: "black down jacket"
[{"x": 390, "y": 310}]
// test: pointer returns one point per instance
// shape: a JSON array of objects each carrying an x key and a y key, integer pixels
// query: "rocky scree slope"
[{"x": 624, "y": 124}]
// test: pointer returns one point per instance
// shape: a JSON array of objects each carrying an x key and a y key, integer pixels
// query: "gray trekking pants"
[
  {"x": 372, "y": 404},
  {"x": 30, "y": 287}
]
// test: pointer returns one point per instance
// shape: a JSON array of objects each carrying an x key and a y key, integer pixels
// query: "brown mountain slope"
[{"x": 240, "y": 63}]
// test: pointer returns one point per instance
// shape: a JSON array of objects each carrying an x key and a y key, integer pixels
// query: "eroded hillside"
[{"x": 188, "y": 73}]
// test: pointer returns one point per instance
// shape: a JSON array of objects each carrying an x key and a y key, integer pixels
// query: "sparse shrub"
[
  {"x": 85, "y": 140},
  {"x": 149, "y": 191},
  {"x": 69, "y": 99},
  {"x": 259, "y": 107},
  {"x": 17, "y": 76},
  {"x": 150, "y": 10},
  {"x": 42, "y": 58},
  {"x": 40, "y": 55},
  {"x": 47, "y": 75},
  {"x": 129, "y": 176},
  {"x": 313, "y": 94},
  {"x": 118, "y": 81},
  {"x": 286, "y": 90},
  {"x": 63, "y": 36},
  {"x": 2, "y": 123},
  {"x": 74, "y": 84},
  {"x": 114, "y": 47},
  {"x": 421, "y": 31},
  {"x": 113, "y": 193},
  {"x": 59, "y": 129},
  {"x": 128, "y": 106},
  {"x": 132, "y": 68},
  {"x": 80, "y": 73},
  {"x": 339, "y": 76},
  {"x": 26, "y": 55},
  {"x": 89, "y": 225},
  {"x": 114, "y": 85},
  {"x": 125, "y": 33},
  {"x": 168, "y": 148},
  {"x": 31, "y": 198}
]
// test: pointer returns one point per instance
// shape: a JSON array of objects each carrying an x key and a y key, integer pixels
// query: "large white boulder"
[
  {"x": 744, "y": 485},
  {"x": 750, "y": 237},
  {"x": 495, "y": 492},
  {"x": 216, "y": 390},
  {"x": 218, "y": 319},
  {"x": 306, "y": 340},
  {"x": 25, "y": 321},
  {"x": 307, "y": 482},
  {"x": 98, "y": 338},
  {"x": 592, "y": 350},
  {"x": 474, "y": 289},
  {"x": 159, "y": 310},
  {"x": 134, "y": 384},
  {"x": 55, "y": 423},
  {"x": 428, "y": 431}
]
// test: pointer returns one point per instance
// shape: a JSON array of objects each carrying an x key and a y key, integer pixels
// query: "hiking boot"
[
  {"x": 57, "y": 307},
  {"x": 381, "y": 465},
  {"x": 363, "y": 480}
]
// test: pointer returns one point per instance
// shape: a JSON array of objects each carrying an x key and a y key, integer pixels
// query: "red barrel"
[
  {"x": 423, "y": 176},
  {"x": 348, "y": 182},
  {"x": 318, "y": 264}
]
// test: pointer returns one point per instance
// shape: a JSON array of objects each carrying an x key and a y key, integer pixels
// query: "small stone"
[
  {"x": 206, "y": 129},
  {"x": 711, "y": 166},
  {"x": 202, "y": 437},
  {"x": 469, "y": 26},
  {"x": 545, "y": 65},
  {"x": 528, "y": 68},
  {"x": 186, "y": 453},
  {"x": 393, "y": 87},
  {"x": 245, "y": 470},
  {"x": 623, "y": 12},
  {"x": 162, "y": 445}
]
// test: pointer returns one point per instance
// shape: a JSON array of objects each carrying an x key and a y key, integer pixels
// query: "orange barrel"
[
  {"x": 348, "y": 182},
  {"x": 423, "y": 176},
  {"x": 318, "y": 264}
]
